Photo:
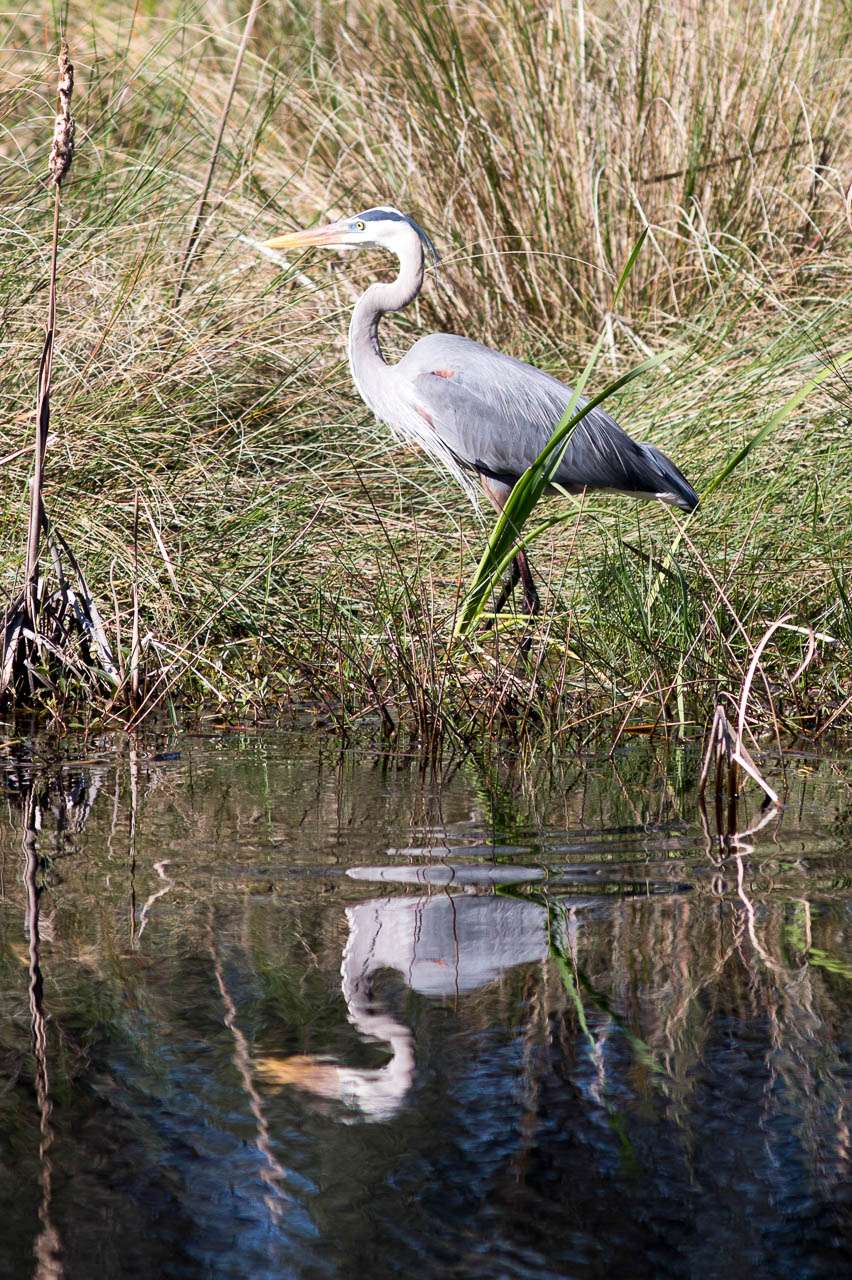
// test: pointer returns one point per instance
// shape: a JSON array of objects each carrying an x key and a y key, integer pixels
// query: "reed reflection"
[{"x": 47, "y": 1248}]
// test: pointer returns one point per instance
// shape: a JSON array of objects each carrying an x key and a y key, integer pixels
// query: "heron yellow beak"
[{"x": 327, "y": 235}]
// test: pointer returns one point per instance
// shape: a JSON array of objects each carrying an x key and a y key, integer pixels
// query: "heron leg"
[
  {"x": 510, "y": 581},
  {"x": 519, "y": 570},
  {"x": 532, "y": 603}
]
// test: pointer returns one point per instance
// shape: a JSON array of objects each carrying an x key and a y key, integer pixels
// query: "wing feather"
[{"x": 496, "y": 414}]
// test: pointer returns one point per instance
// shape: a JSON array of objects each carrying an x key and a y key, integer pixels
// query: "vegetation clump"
[{"x": 253, "y": 537}]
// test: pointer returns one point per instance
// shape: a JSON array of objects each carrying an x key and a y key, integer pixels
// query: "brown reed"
[{"x": 61, "y": 629}]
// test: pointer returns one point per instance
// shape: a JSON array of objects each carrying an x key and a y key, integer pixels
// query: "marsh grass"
[{"x": 287, "y": 551}]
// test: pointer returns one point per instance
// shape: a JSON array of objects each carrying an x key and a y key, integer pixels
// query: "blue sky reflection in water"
[{"x": 270, "y": 1010}]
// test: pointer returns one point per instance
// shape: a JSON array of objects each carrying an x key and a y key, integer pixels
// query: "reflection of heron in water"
[{"x": 442, "y": 945}]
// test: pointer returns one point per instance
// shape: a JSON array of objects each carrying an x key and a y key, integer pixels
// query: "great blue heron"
[{"x": 478, "y": 412}]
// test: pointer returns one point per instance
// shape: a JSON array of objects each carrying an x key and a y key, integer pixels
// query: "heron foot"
[
  {"x": 510, "y": 581},
  {"x": 519, "y": 572},
  {"x": 532, "y": 603}
]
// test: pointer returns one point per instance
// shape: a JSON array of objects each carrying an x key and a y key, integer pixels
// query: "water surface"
[{"x": 272, "y": 1010}]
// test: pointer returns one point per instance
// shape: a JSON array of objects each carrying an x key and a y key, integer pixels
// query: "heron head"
[{"x": 384, "y": 228}]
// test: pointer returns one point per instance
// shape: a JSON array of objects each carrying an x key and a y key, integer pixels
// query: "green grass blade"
[
  {"x": 727, "y": 468},
  {"x": 628, "y": 267}
]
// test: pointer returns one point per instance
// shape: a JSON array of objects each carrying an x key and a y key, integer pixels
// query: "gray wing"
[{"x": 496, "y": 414}]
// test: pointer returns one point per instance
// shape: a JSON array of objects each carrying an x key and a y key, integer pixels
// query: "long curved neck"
[{"x": 365, "y": 353}]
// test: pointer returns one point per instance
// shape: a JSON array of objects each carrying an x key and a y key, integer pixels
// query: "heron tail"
[{"x": 675, "y": 488}]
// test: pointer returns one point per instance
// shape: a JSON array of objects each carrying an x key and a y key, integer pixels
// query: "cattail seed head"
[{"x": 62, "y": 150}]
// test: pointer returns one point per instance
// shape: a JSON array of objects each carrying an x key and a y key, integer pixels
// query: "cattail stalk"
[{"x": 61, "y": 155}]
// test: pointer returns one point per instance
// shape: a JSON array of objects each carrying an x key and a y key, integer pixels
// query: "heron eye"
[{"x": 360, "y": 226}]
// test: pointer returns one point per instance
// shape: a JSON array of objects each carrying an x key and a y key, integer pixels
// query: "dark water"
[{"x": 267, "y": 1010}]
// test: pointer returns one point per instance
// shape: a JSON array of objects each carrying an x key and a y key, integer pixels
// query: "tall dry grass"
[{"x": 542, "y": 139}]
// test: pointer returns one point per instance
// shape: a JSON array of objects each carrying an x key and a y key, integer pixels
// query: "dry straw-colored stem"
[
  {"x": 723, "y": 161},
  {"x": 192, "y": 242},
  {"x": 61, "y": 155},
  {"x": 134, "y": 638},
  {"x": 724, "y": 746}
]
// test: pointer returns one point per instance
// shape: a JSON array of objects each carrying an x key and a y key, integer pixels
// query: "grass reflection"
[{"x": 214, "y": 969}]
